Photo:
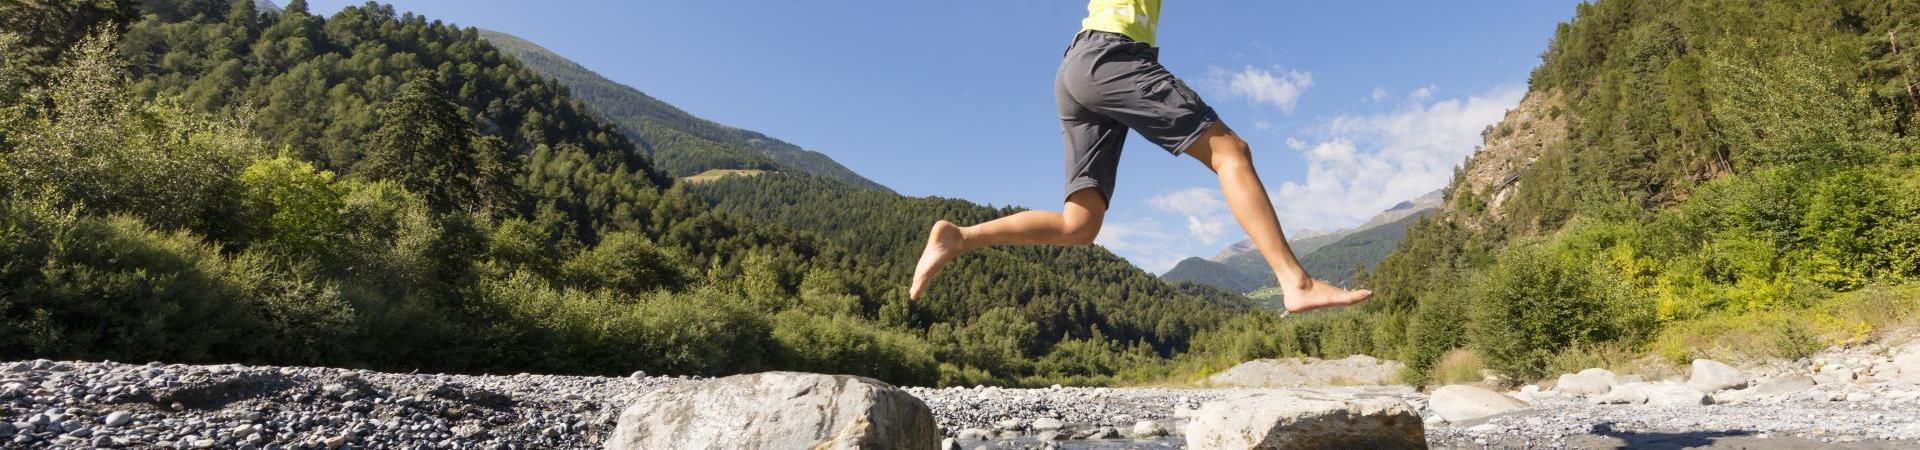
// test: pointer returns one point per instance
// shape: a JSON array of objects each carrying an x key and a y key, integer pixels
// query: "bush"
[
  {"x": 1532, "y": 305},
  {"x": 627, "y": 263},
  {"x": 1437, "y": 328},
  {"x": 844, "y": 344},
  {"x": 112, "y": 288},
  {"x": 298, "y": 207}
]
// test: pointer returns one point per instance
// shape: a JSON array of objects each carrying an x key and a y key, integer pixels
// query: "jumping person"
[{"x": 1111, "y": 80}]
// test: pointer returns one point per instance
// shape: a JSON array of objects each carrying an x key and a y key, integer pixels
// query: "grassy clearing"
[{"x": 717, "y": 174}]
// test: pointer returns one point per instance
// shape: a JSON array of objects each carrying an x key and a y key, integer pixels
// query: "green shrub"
[
  {"x": 1532, "y": 305},
  {"x": 627, "y": 263},
  {"x": 1438, "y": 326},
  {"x": 298, "y": 207},
  {"x": 845, "y": 344}
]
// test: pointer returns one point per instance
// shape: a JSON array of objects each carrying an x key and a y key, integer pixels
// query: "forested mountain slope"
[
  {"x": 212, "y": 183},
  {"x": 1686, "y": 177},
  {"x": 680, "y": 143}
]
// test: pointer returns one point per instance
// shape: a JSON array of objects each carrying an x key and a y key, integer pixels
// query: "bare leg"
[
  {"x": 1076, "y": 224},
  {"x": 1223, "y": 152}
]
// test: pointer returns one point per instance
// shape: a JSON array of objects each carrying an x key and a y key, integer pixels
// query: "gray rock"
[
  {"x": 1148, "y": 429},
  {"x": 777, "y": 410},
  {"x": 1008, "y": 424},
  {"x": 973, "y": 434},
  {"x": 1302, "y": 420},
  {"x": 1675, "y": 395},
  {"x": 1835, "y": 375},
  {"x": 1356, "y": 369},
  {"x": 1047, "y": 424},
  {"x": 1711, "y": 376},
  {"x": 1781, "y": 385},
  {"x": 1588, "y": 382},
  {"x": 1050, "y": 435},
  {"x": 1459, "y": 403},
  {"x": 119, "y": 418},
  {"x": 1625, "y": 394},
  {"x": 949, "y": 444},
  {"x": 1908, "y": 363},
  {"x": 6, "y": 429}
]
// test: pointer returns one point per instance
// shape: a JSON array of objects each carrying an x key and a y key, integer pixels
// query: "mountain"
[
  {"x": 679, "y": 142},
  {"x": 1198, "y": 270},
  {"x": 1340, "y": 261},
  {"x": 1241, "y": 265}
]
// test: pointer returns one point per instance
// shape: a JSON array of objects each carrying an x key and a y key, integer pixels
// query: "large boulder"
[
  {"x": 1297, "y": 419},
  {"x": 1781, "y": 385},
  {"x": 777, "y": 410},
  {"x": 1711, "y": 376},
  {"x": 1460, "y": 403},
  {"x": 1674, "y": 395},
  {"x": 1588, "y": 382}
]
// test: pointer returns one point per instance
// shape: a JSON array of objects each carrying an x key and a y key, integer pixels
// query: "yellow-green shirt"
[{"x": 1134, "y": 18}]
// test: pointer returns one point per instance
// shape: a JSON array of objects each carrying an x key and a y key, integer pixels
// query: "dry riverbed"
[{"x": 1859, "y": 399}]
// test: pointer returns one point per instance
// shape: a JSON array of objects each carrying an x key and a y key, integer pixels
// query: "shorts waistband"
[{"x": 1097, "y": 35}]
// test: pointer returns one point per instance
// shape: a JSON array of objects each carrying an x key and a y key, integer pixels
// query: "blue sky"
[{"x": 1350, "y": 106}]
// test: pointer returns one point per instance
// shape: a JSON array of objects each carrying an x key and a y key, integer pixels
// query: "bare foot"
[
  {"x": 1320, "y": 294},
  {"x": 943, "y": 243}
]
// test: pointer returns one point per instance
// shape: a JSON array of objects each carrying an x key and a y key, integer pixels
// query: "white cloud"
[
  {"x": 1205, "y": 210},
  {"x": 1262, "y": 124},
  {"x": 1280, "y": 87},
  {"x": 1421, "y": 94},
  {"x": 1379, "y": 94},
  {"x": 1360, "y": 165},
  {"x": 1143, "y": 241}
]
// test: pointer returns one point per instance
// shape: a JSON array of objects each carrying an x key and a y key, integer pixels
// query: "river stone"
[
  {"x": 1781, "y": 385},
  {"x": 1295, "y": 419},
  {"x": 1674, "y": 395},
  {"x": 777, "y": 410},
  {"x": 1625, "y": 394},
  {"x": 1458, "y": 403},
  {"x": 1908, "y": 363},
  {"x": 1711, "y": 376},
  {"x": 1148, "y": 429},
  {"x": 1047, "y": 424},
  {"x": 1588, "y": 382}
]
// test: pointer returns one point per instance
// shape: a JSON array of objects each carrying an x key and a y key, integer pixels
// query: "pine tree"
[
  {"x": 496, "y": 168},
  {"x": 425, "y": 144}
]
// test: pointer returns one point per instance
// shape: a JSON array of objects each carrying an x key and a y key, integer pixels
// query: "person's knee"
[
  {"x": 1082, "y": 232},
  {"x": 1231, "y": 151}
]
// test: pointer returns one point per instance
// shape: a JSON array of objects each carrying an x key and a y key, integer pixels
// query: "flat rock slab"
[
  {"x": 1352, "y": 370},
  {"x": 1460, "y": 403},
  {"x": 1297, "y": 419},
  {"x": 777, "y": 411}
]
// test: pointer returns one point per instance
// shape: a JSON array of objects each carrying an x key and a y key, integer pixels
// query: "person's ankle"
[{"x": 1302, "y": 283}]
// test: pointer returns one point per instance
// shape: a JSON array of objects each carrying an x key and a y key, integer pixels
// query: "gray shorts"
[{"x": 1108, "y": 84}]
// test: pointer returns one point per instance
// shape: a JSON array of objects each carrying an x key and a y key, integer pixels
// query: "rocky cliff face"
[{"x": 1492, "y": 176}]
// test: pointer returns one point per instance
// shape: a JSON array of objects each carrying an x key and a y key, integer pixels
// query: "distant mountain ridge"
[
  {"x": 1329, "y": 255},
  {"x": 679, "y": 142}
]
